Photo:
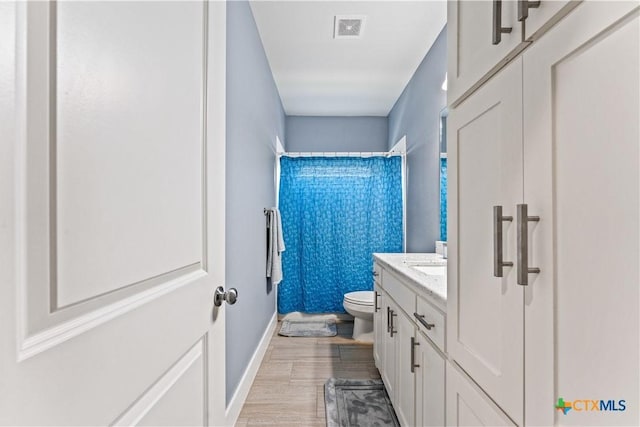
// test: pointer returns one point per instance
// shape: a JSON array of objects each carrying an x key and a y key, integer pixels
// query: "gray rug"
[
  {"x": 358, "y": 403},
  {"x": 308, "y": 328}
]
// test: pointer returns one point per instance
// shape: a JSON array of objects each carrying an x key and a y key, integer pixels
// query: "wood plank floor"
[{"x": 289, "y": 387}]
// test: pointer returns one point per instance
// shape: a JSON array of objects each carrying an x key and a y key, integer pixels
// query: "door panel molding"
[
  {"x": 44, "y": 340},
  {"x": 139, "y": 286},
  {"x": 194, "y": 357},
  {"x": 43, "y": 319}
]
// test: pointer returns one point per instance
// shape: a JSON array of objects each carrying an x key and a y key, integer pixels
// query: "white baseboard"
[{"x": 242, "y": 391}]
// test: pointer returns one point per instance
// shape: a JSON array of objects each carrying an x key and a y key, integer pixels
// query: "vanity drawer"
[
  {"x": 435, "y": 320},
  {"x": 377, "y": 273},
  {"x": 400, "y": 293}
]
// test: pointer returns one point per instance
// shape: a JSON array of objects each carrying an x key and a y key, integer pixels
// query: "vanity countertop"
[{"x": 432, "y": 287}]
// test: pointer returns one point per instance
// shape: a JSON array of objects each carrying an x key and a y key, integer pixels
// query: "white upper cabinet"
[
  {"x": 485, "y": 35},
  {"x": 539, "y": 16},
  {"x": 477, "y": 45}
]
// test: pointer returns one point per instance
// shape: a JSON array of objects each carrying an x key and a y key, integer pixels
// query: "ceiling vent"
[{"x": 348, "y": 26}]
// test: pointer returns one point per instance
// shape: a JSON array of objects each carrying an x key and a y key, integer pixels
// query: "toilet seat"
[{"x": 362, "y": 298}]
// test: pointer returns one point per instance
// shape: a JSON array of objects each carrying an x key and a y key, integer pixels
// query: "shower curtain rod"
[{"x": 341, "y": 154}]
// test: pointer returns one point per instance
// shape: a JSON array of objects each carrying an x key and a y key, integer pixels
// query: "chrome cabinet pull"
[
  {"x": 498, "y": 254},
  {"x": 498, "y": 29},
  {"x": 375, "y": 273},
  {"x": 388, "y": 317},
  {"x": 375, "y": 301},
  {"x": 423, "y": 322},
  {"x": 392, "y": 331},
  {"x": 524, "y": 6},
  {"x": 523, "y": 244},
  {"x": 414, "y": 343}
]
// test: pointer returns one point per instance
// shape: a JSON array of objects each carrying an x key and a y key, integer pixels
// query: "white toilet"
[{"x": 360, "y": 306}]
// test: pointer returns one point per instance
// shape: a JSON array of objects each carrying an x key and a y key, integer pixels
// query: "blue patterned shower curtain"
[
  {"x": 335, "y": 212},
  {"x": 443, "y": 199}
]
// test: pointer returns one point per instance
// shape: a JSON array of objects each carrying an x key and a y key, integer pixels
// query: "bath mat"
[
  {"x": 308, "y": 328},
  {"x": 358, "y": 403}
]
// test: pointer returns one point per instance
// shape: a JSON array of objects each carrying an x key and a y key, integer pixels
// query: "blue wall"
[
  {"x": 416, "y": 114},
  {"x": 336, "y": 133},
  {"x": 254, "y": 117}
]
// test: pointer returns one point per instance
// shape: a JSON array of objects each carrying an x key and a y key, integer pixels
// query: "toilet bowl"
[{"x": 360, "y": 305}]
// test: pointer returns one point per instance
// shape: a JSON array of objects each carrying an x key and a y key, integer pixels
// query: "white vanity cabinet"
[
  {"x": 392, "y": 328},
  {"x": 409, "y": 348},
  {"x": 379, "y": 323},
  {"x": 405, "y": 402},
  {"x": 429, "y": 382},
  {"x": 552, "y": 140},
  {"x": 429, "y": 364},
  {"x": 387, "y": 367}
]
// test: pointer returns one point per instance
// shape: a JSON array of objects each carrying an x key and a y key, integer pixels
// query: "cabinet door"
[
  {"x": 467, "y": 405},
  {"x": 389, "y": 362},
  {"x": 471, "y": 54},
  {"x": 548, "y": 13},
  {"x": 404, "y": 403},
  {"x": 379, "y": 326},
  {"x": 582, "y": 136},
  {"x": 485, "y": 313},
  {"x": 429, "y": 383}
]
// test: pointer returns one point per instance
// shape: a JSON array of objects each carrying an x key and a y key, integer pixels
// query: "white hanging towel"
[{"x": 275, "y": 246}]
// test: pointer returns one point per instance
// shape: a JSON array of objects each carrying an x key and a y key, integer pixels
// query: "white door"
[
  {"x": 485, "y": 313},
  {"x": 582, "y": 137},
  {"x": 111, "y": 213}
]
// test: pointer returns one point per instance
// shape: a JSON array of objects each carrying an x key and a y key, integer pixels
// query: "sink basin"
[{"x": 431, "y": 270}]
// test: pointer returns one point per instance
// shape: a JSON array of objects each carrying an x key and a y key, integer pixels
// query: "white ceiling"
[{"x": 318, "y": 75}]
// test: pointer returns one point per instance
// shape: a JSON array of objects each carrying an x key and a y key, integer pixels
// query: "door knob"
[{"x": 231, "y": 296}]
